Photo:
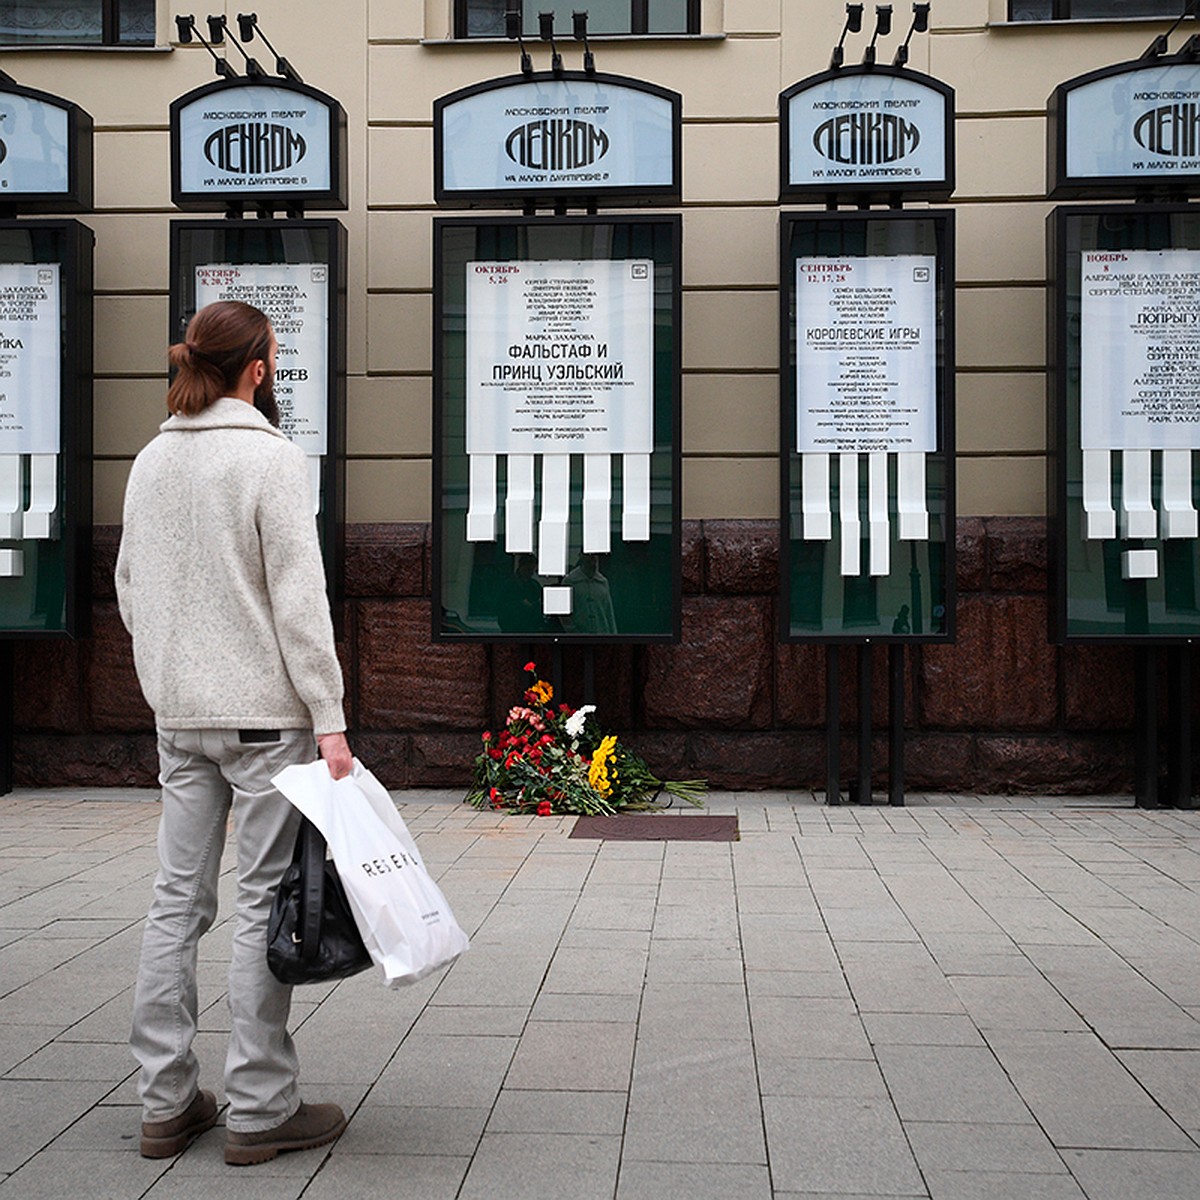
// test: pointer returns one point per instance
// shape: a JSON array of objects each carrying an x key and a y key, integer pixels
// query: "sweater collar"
[{"x": 225, "y": 413}]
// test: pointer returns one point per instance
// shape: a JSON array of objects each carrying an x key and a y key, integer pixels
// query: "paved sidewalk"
[{"x": 964, "y": 999}]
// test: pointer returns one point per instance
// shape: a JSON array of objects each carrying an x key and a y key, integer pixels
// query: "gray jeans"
[{"x": 203, "y": 773}]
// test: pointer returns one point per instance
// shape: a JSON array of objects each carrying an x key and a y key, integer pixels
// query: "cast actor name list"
[
  {"x": 560, "y": 357},
  {"x": 295, "y": 296},
  {"x": 1140, "y": 350},
  {"x": 866, "y": 377},
  {"x": 30, "y": 358}
]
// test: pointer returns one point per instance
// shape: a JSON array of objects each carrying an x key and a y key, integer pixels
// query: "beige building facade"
[{"x": 386, "y": 61}]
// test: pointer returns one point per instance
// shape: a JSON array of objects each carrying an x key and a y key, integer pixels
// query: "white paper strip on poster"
[
  {"x": 41, "y": 517},
  {"x": 1178, "y": 512},
  {"x": 866, "y": 379},
  {"x": 296, "y": 298},
  {"x": 878, "y": 530},
  {"x": 12, "y": 495},
  {"x": 910, "y": 498},
  {"x": 635, "y": 498},
  {"x": 559, "y": 361},
  {"x": 1140, "y": 390},
  {"x": 597, "y": 503},
  {"x": 851, "y": 528},
  {"x": 556, "y": 514},
  {"x": 814, "y": 497},
  {"x": 481, "y": 501},
  {"x": 1099, "y": 516},
  {"x": 1138, "y": 518},
  {"x": 30, "y": 359},
  {"x": 518, "y": 503},
  {"x": 314, "y": 483}
]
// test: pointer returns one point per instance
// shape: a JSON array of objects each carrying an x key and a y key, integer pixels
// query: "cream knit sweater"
[{"x": 220, "y": 581}]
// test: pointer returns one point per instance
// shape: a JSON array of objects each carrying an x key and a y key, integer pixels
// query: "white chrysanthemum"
[{"x": 577, "y": 719}]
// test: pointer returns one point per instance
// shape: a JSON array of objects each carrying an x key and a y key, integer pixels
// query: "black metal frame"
[
  {"x": 331, "y": 521},
  {"x": 1056, "y": 424},
  {"x": 546, "y": 197},
  {"x": 80, "y": 160},
  {"x": 1062, "y": 186},
  {"x": 639, "y": 19},
  {"x": 336, "y": 196},
  {"x": 439, "y": 634},
  {"x": 75, "y": 242},
  {"x": 943, "y": 220},
  {"x": 929, "y": 189}
]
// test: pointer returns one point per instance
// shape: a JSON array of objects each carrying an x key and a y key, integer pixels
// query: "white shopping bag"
[{"x": 401, "y": 913}]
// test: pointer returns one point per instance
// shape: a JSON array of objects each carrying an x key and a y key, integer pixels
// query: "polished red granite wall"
[{"x": 999, "y": 711}]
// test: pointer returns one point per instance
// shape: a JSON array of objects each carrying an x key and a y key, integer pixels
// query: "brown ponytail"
[{"x": 221, "y": 340}]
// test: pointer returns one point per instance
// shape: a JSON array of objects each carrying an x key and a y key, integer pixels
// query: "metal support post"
[
  {"x": 862, "y": 786},
  {"x": 833, "y": 722},
  {"x": 896, "y": 659},
  {"x": 1145, "y": 727},
  {"x": 1179, "y": 728}
]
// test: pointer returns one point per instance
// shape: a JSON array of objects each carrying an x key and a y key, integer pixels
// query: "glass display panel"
[
  {"x": 556, "y": 400},
  {"x": 1128, "y": 423},
  {"x": 37, "y": 535},
  {"x": 866, "y": 426},
  {"x": 293, "y": 271}
]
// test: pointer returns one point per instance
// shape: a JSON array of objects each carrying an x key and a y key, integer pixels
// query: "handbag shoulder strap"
[{"x": 310, "y": 849}]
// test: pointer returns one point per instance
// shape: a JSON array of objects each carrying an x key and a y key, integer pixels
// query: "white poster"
[
  {"x": 30, "y": 358},
  {"x": 866, "y": 365},
  {"x": 296, "y": 298},
  {"x": 560, "y": 357},
  {"x": 1140, "y": 350}
]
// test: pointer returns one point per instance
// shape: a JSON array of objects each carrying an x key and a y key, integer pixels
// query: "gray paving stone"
[
  {"x": 950, "y": 1083},
  {"x": 388, "y": 1177},
  {"x": 574, "y": 1056},
  {"x": 982, "y": 1147},
  {"x": 710, "y": 1181},
  {"x": 1083, "y": 1096},
  {"x": 54, "y": 1174},
  {"x": 984, "y": 1185},
  {"x": 416, "y": 1129},
  {"x": 921, "y": 1029},
  {"x": 527, "y": 1111},
  {"x": 821, "y": 1078},
  {"x": 34, "y": 1113},
  {"x": 511, "y": 1166},
  {"x": 446, "y": 1072},
  {"x": 1172, "y": 1077},
  {"x": 1015, "y": 1002},
  {"x": 1124, "y": 1175},
  {"x": 838, "y": 1146}
]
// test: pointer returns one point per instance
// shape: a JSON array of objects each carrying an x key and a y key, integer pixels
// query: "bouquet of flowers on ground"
[{"x": 549, "y": 760}]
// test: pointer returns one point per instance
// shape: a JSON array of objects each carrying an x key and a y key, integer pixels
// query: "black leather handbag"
[{"x": 311, "y": 934}]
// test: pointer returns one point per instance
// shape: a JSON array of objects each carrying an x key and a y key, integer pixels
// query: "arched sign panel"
[
  {"x": 867, "y": 131},
  {"x": 1126, "y": 129},
  {"x": 249, "y": 141},
  {"x": 45, "y": 152},
  {"x": 572, "y": 137}
]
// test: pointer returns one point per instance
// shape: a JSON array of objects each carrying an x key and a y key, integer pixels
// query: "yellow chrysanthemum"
[
  {"x": 542, "y": 692},
  {"x": 601, "y": 776}
]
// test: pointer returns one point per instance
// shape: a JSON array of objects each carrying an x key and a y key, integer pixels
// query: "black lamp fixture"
[
  {"x": 186, "y": 27},
  {"x": 1159, "y": 46},
  {"x": 512, "y": 30},
  {"x": 217, "y": 28},
  {"x": 248, "y": 26},
  {"x": 579, "y": 22},
  {"x": 883, "y": 26},
  {"x": 853, "y": 24},
  {"x": 920, "y": 24},
  {"x": 546, "y": 33}
]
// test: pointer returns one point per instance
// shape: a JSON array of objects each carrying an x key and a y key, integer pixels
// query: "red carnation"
[{"x": 544, "y": 809}]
